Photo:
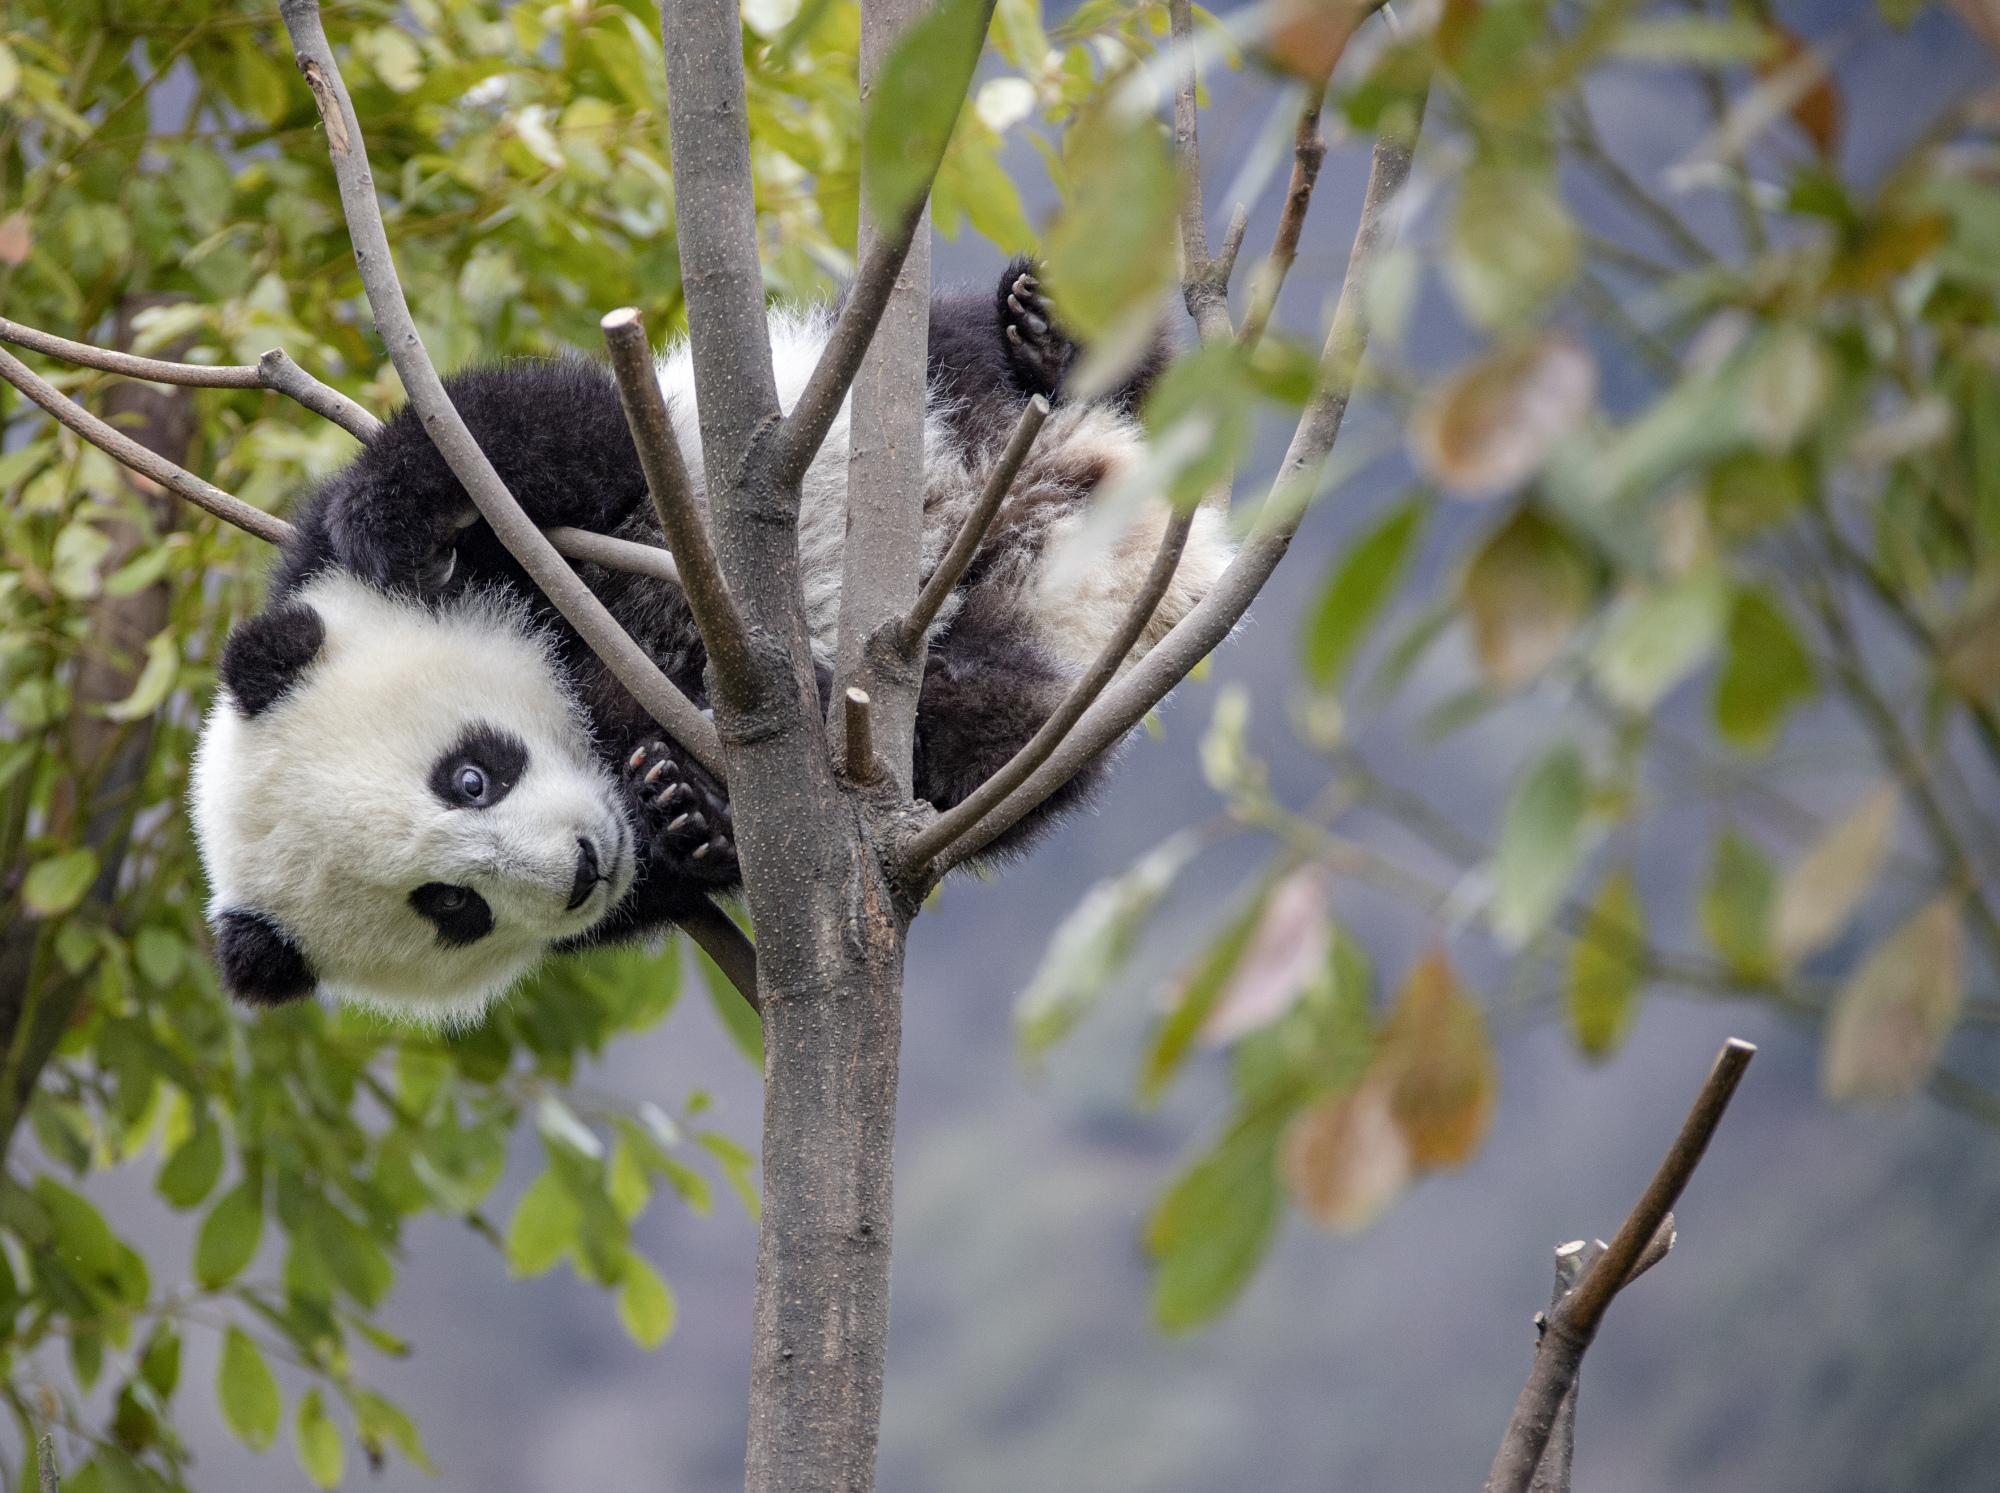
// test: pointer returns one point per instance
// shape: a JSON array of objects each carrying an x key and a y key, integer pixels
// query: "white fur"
[{"x": 318, "y": 814}]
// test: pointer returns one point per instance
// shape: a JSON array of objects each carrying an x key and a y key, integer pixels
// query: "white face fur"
[{"x": 419, "y": 813}]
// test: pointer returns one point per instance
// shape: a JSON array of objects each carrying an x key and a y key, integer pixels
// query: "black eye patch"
[
  {"x": 480, "y": 769},
  {"x": 459, "y": 914}
]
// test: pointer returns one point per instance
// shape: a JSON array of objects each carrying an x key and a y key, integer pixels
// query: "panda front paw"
[
  {"x": 685, "y": 813},
  {"x": 1038, "y": 349}
]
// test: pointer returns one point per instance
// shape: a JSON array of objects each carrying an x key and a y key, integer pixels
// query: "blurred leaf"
[
  {"x": 163, "y": 661},
  {"x": 1786, "y": 383},
  {"x": 1526, "y": 591},
  {"x": 1692, "y": 39},
  {"x": 17, "y": 231},
  {"x": 1541, "y": 841},
  {"x": 1355, "y": 591},
  {"x": 1513, "y": 244},
  {"x": 1345, "y": 1158},
  {"x": 1822, "y": 890},
  {"x": 1736, "y": 904},
  {"x": 378, "y": 1420},
  {"x": 318, "y": 1441},
  {"x": 544, "y": 1228},
  {"x": 1657, "y": 637},
  {"x": 229, "y": 1235},
  {"x": 1766, "y": 673},
  {"x": 247, "y": 1392},
  {"x": 1605, "y": 970},
  {"x": 739, "y": 1169},
  {"x": 1306, "y": 37},
  {"x": 1486, "y": 428},
  {"x": 914, "y": 103},
  {"x": 1109, "y": 254},
  {"x": 1435, "y": 1054},
  {"x": 1286, "y": 952},
  {"x": 1198, "y": 987},
  {"x": 645, "y": 1304},
  {"x": 1751, "y": 492},
  {"x": 57, "y": 884},
  {"x": 744, "y": 1025},
  {"x": 160, "y": 1365},
  {"x": 1818, "y": 110},
  {"x": 193, "y": 1170},
  {"x": 1213, "y": 1226},
  {"x": 1892, "y": 1016},
  {"x": 1093, "y": 943},
  {"x": 93, "y": 1256}
]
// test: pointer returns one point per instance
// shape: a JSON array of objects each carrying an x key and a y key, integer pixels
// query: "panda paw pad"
[
  {"x": 1033, "y": 337},
  {"x": 690, "y": 821}
]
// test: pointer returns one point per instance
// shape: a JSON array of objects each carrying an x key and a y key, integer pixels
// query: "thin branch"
[
  {"x": 867, "y": 298},
  {"x": 177, "y": 479},
  {"x": 715, "y": 933},
  {"x": 615, "y": 554},
  {"x": 1204, "y": 281},
  {"x": 964, "y": 830},
  {"x": 1308, "y": 154},
  {"x": 1232, "y": 242},
  {"x": 999, "y": 482},
  {"x": 1573, "y": 1323},
  {"x": 45, "y": 1464},
  {"x": 549, "y": 571},
  {"x": 272, "y": 371},
  {"x": 715, "y": 611},
  {"x": 1197, "y": 635},
  {"x": 860, "y": 737}
]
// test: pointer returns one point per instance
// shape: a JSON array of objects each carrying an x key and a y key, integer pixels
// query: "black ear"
[
  {"x": 259, "y": 964},
  {"x": 265, "y": 655}
]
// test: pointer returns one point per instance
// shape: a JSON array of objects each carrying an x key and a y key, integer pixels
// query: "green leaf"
[
  {"x": 58, "y": 884},
  {"x": 1214, "y": 1225},
  {"x": 645, "y": 1304},
  {"x": 1605, "y": 969},
  {"x": 745, "y": 1026},
  {"x": 247, "y": 1391},
  {"x": 1201, "y": 986},
  {"x": 159, "y": 953},
  {"x": 738, "y": 1166},
  {"x": 160, "y": 1366},
  {"x": 377, "y": 1420},
  {"x": 1892, "y": 1017},
  {"x": 1657, "y": 638},
  {"x": 193, "y": 1170},
  {"x": 1109, "y": 255},
  {"x": 163, "y": 661},
  {"x": 1736, "y": 904},
  {"x": 915, "y": 102},
  {"x": 1355, "y": 590},
  {"x": 318, "y": 1441},
  {"x": 94, "y": 1256},
  {"x": 1513, "y": 244},
  {"x": 544, "y": 1227},
  {"x": 1526, "y": 592},
  {"x": 1766, "y": 673},
  {"x": 1093, "y": 943},
  {"x": 230, "y": 1235},
  {"x": 1541, "y": 840},
  {"x": 1692, "y": 39}
]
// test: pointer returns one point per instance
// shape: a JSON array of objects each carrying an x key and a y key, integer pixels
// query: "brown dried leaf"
[
  {"x": 1821, "y": 891},
  {"x": 1488, "y": 426},
  {"x": 1308, "y": 36},
  {"x": 1436, "y": 1054},
  {"x": 1982, "y": 18},
  {"x": 1287, "y": 952},
  {"x": 1894, "y": 1013},
  {"x": 1345, "y": 1159},
  {"x": 1819, "y": 111},
  {"x": 17, "y": 239},
  {"x": 1525, "y": 591}
]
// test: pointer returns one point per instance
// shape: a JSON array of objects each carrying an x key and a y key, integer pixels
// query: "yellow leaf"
[
  {"x": 1345, "y": 1159},
  {"x": 1488, "y": 426},
  {"x": 1820, "y": 893},
  {"x": 1436, "y": 1055},
  {"x": 1894, "y": 1013}
]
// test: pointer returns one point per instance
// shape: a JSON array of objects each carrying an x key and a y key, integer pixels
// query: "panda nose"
[{"x": 587, "y": 875}]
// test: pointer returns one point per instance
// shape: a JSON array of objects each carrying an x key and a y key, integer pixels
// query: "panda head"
[{"x": 398, "y": 803}]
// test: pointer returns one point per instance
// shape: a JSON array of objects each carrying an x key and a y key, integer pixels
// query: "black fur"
[
  {"x": 557, "y": 437},
  {"x": 265, "y": 656},
  {"x": 499, "y": 758},
  {"x": 258, "y": 963},
  {"x": 459, "y": 914}
]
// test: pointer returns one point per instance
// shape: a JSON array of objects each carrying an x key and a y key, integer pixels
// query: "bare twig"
[
  {"x": 1584, "y": 143},
  {"x": 615, "y": 554},
  {"x": 1573, "y": 1322},
  {"x": 1196, "y": 635},
  {"x": 549, "y": 571},
  {"x": 45, "y": 1464},
  {"x": 715, "y": 933},
  {"x": 1232, "y": 242},
  {"x": 715, "y": 612},
  {"x": 860, "y": 740},
  {"x": 272, "y": 371},
  {"x": 910, "y": 635},
  {"x": 961, "y": 830},
  {"x": 177, "y": 479},
  {"x": 1308, "y": 154}
]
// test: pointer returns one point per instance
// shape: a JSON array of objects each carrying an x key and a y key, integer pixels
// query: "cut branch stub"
[
  {"x": 860, "y": 737},
  {"x": 629, "y": 663}
]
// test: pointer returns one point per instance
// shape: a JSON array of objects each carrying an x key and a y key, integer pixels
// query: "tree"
[{"x": 114, "y": 1010}]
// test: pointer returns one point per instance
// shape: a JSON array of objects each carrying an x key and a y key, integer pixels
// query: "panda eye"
[
  {"x": 479, "y": 769},
  {"x": 471, "y": 784},
  {"x": 450, "y": 899}
]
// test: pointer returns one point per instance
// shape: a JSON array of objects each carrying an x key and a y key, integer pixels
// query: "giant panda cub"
[{"x": 416, "y": 780}]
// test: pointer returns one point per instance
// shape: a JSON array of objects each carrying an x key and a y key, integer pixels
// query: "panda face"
[{"x": 399, "y": 804}]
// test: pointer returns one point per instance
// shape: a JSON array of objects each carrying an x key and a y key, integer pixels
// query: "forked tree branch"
[
  {"x": 1308, "y": 154},
  {"x": 715, "y": 612},
  {"x": 999, "y": 482},
  {"x": 273, "y": 371},
  {"x": 961, "y": 831},
  {"x": 1574, "y": 1321},
  {"x": 1197, "y": 634},
  {"x": 116, "y": 443},
  {"x": 550, "y": 572},
  {"x": 1204, "y": 281}
]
